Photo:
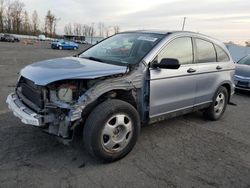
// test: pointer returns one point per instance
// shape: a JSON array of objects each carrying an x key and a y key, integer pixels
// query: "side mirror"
[{"x": 167, "y": 63}]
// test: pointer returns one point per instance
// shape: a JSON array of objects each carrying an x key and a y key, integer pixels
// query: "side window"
[
  {"x": 205, "y": 51},
  {"x": 221, "y": 54},
  {"x": 180, "y": 48}
]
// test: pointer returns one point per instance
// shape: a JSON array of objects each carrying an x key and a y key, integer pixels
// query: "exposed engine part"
[{"x": 65, "y": 93}]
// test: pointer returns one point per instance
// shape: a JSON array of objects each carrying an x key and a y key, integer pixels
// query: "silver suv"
[{"x": 129, "y": 79}]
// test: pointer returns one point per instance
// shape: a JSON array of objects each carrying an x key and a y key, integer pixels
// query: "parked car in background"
[
  {"x": 9, "y": 38},
  {"x": 16, "y": 39},
  {"x": 64, "y": 45},
  {"x": 242, "y": 73},
  {"x": 129, "y": 79},
  {"x": 41, "y": 37}
]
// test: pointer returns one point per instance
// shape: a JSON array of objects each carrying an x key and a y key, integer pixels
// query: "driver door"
[{"x": 173, "y": 89}]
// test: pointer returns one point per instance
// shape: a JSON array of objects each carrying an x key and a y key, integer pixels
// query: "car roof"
[{"x": 168, "y": 32}]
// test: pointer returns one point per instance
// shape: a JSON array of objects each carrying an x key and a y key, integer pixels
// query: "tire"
[
  {"x": 218, "y": 106},
  {"x": 111, "y": 130},
  {"x": 60, "y": 47},
  {"x": 75, "y": 48}
]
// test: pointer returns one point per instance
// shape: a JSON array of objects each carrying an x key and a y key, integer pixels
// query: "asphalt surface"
[{"x": 186, "y": 151}]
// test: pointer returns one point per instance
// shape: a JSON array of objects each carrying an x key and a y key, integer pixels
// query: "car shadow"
[
  {"x": 242, "y": 92},
  {"x": 24, "y": 144}
]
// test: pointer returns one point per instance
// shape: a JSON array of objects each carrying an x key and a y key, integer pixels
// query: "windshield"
[
  {"x": 123, "y": 48},
  {"x": 245, "y": 60}
]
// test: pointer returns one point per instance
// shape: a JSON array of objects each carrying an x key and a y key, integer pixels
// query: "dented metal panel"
[{"x": 134, "y": 79}]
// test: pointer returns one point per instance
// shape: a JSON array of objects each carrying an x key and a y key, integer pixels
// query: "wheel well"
[
  {"x": 228, "y": 87},
  {"x": 124, "y": 95}
]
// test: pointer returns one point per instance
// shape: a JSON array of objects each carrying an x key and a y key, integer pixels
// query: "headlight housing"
[{"x": 66, "y": 92}]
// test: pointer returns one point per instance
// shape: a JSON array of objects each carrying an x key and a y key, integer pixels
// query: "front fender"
[{"x": 132, "y": 80}]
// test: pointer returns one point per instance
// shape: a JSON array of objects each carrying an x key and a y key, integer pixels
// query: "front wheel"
[
  {"x": 60, "y": 47},
  {"x": 218, "y": 106},
  {"x": 111, "y": 130}
]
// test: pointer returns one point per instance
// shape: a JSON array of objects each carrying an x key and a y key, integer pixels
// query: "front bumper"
[
  {"x": 242, "y": 83},
  {"x": 242, "y": 88},
  {"x": 21, "y": 111},
  {"x": 28, "y": 116}
]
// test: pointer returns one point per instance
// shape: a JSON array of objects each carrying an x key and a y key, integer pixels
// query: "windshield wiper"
[{"x": 93, "y": 58}]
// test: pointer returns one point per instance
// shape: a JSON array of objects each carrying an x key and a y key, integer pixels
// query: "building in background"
[
  {"x": 75, "y": 38},
  {"x": 93, "y": 40},
  {"x": 83, "y": 39}
]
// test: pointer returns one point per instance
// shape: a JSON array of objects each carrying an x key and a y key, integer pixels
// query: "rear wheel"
[
  {"x": 75, "y": 48},
  {"x": 218, "y": 106},
  {"x": 60, "y": 47},
  {"x": 111, "y": 130}
]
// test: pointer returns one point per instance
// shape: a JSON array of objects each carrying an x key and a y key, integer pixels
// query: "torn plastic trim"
[{"x": 132, "y": 80}]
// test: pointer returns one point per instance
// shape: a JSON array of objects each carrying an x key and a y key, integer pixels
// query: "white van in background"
[{"x": 41, "y": 37}]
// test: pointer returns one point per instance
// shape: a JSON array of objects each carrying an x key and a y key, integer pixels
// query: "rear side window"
[
  {"x": 180, "y": 48},
  {"x": 205, "y": 51},
  {"x": 221, "y": 54}
]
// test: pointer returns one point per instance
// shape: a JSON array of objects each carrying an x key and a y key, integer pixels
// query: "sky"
[{"x": 227, "y": 20}]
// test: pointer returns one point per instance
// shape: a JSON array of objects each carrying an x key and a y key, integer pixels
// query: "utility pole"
[{"x": 184, "y": 22}]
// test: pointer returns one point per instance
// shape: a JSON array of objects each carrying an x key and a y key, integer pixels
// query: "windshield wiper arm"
[{"x": 94, "y": 59}]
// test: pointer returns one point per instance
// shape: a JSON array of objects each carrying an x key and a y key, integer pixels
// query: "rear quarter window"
[
  {"x": 205, "y": 51},
  {"x": 221, "y": 54}
]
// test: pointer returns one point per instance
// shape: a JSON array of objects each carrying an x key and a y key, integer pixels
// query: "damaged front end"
[
  {"x": 59, "y": 107},
  {"x": 49, "y": 107}
]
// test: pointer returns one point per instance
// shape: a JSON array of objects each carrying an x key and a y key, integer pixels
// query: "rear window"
[
  {"x": 221, "y": 54},
  {"x": 205, "y": 51}
]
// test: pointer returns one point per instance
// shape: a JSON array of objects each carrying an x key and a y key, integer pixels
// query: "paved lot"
[{"x": 186, "y": 151}]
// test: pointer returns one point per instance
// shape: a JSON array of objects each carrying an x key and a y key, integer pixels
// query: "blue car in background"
[{"x": 64, "y": 45}]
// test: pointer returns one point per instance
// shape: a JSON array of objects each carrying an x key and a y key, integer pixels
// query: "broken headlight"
[{"x": 66, "y": 92}]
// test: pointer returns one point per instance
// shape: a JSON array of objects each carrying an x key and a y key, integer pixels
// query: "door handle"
[
  {"x": 191, "y": 70},
  {"x": 218, "y": 67}
]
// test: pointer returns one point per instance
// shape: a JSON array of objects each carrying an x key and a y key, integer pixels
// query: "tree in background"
[
  {"x": 77, "y": 29},
  {"x": 16, "y": 9},
  {"x": 2, "y": 8},
  {"x": 116, "y": 29},
  {"x": 15, "y": 19},
  {"x": 101, "y": 28},
  {"x": 50, "y": 24},
  {"x": 87, "y": 30},
  {"x": 68, "y": 29},
  {"x": 26, "y": 24},
  {"x": 107, "y": 33},
  {"x": 90, "y": 30},
  {"x": 35, "y": 23},
  {"x": 8, "y": 19}
]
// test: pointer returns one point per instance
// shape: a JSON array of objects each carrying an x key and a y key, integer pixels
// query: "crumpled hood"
[
  {"x": 242, "y": 70},
  {"x": 45, "y": 72}
]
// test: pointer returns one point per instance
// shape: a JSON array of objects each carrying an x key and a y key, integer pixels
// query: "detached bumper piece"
[{"x": 21, "y": 111}]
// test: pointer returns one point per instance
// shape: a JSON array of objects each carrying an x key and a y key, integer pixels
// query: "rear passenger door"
[
  {"x": 210, "y": 60},
  {"x": 173, "y": 89}
]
